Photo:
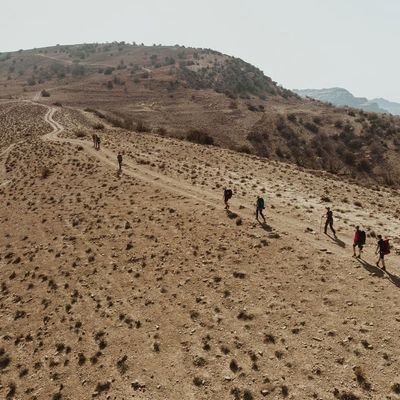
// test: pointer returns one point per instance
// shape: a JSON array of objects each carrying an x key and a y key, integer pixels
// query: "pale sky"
[{"x": 298, "y": 43}]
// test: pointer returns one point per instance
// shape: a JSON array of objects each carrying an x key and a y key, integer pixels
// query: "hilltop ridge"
[{"x": 206, "y": 96}]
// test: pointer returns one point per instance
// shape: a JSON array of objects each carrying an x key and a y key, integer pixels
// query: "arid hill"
[
  {"x": 141, "y": 285},
  {"x": 210, "y": 98}
]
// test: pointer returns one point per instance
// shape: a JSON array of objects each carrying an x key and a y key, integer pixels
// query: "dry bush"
[
  {"x": 98, "y": 126},
  {"x": 142, "y": 127},
  {"x": 45, "y": 172},
  {"x": 79, "y": 133},
  {"x": 200, "y": 137}
]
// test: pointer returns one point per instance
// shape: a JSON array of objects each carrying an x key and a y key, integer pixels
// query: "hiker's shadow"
[
  {"x": 265, "y": 226},
  {"x": 336, "y": 240},
  {"x": 231, "y": 214},
  {"x": 394, "y": 279},
  {"x": 373, "y": 269}
]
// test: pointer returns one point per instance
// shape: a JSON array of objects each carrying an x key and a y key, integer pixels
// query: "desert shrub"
[
  {"x": 257, "y": 137},
  {"x": 292, "y": 117},
  {"x": 339, "y": 124},
  {"x": 201, "y": 137},
  {"x": 45, "y": 172},
  {"x": 78, "y": 70},
  {"x": 244, "y": 149},
  {"x": 279, "y": 153},
  {"x": 141, "y": 127},
  {"x": 98, "y": 126},
  {"x": 95, "y": 112},
  {"x": 161, "y": 131},
  {"x": 396, "y": 388},
  {"x": 45, "y": 93},
  {"x": 233, "y": 105},
  {"x": 121, "y": 122},
  {"x": 311, "y": 127},
  {"x": 110, "y": 85},
  {"x": 349, "y": 158},
  {"x": 108, "y": 71},
  {"x": 80, "y": 133},
  {"x": 252, "y": 108},
  {"x": 355, "y": 144},
  {"x": 57, "y": 104},
  {"x": 364, "y": 166},
  {"x": 317, "y": 120}
]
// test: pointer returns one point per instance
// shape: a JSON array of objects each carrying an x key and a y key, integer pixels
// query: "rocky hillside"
[{"x": 206, "y": 97}]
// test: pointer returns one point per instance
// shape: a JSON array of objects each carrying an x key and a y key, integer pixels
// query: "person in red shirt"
[{"x": 359, "y": 241}]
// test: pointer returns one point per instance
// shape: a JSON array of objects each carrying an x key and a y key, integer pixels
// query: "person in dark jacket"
[
  {"x": 260, "y": 207},
  {"x": 329, "y": 221}
]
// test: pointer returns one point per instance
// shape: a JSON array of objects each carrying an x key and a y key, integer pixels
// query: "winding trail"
[{"x": 132, "y": 169}]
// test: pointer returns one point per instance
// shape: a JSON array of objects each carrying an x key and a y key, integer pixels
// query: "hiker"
[
  {"x": 94, "y": 136},
  {"x": 98, "y": 140},
  {"x": 383, "y": 249},
  {"x": 329, "y": 221},
  {"x": 227, "y": 196},
  {"x": 119, "y": 158},
  {"x": 260, "y": 207},
  {"x": 359, "y": 241}
]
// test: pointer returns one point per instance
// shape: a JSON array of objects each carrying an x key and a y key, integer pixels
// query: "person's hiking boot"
[{"x": 384, "y": 269}]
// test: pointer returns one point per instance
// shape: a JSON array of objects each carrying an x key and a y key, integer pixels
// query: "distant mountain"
[
  {"x": 389, "y": 106},
  {"x": 342, "y": 97}
]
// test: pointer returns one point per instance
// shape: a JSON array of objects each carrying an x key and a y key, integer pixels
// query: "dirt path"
[{"x": 129, "y": 168}]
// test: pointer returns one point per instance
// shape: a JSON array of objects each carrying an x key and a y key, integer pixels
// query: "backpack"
[
  {"x": 228, "y": 193},
  {"x": 361, "y": 237},
  {"x": 260, "y": 203},
  {"x": 386, "y": 247}
]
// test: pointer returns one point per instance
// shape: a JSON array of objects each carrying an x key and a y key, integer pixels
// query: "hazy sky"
[{"x": 298, "y": 43}]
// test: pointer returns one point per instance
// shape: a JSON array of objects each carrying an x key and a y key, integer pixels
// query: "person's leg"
[
  {"x": 331, "y": 226},
  {"x": 261, "y": 213},
  {"x": 257, "y": 211},
  {"x": 360, "y": 249},
  {"x": 354, "y": 250},
  {"x": 326, "y": 227},
  {"x": 383, "y": 262}
]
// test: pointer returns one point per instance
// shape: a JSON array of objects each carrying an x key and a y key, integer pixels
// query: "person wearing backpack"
[
  {"x": 94, "y": 137},
  {"x": 329, "y": 221},
  {"x": 119, "y": 159},
  {"x": 260, "y": 207},
  {"x": 359, "y": 241},
  {"x": 227, "y": 196},
  {"x": 383, "y": 249},
  {"x": 98, "y": 141}
]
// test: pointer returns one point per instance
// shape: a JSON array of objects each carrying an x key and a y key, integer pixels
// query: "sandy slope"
[{"x": 142, "y": 286}]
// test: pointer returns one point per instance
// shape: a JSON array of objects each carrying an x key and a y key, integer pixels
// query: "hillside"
[
  {"x": 207, "y": 97},
  {"x": 143, "y": 286}
]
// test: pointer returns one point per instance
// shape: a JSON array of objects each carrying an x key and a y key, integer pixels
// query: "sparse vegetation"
[{"x": 200, "y": 137}]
